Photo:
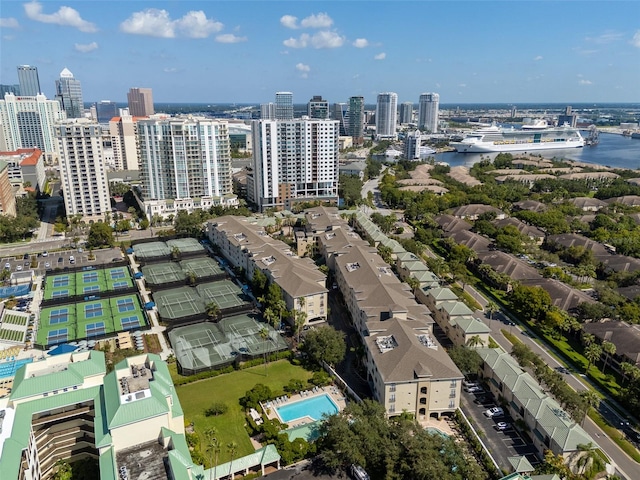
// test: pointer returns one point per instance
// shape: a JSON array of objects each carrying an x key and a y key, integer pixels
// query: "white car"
[
  {"x": 47, "y": 265},
  {"x": 45, "y": 254},
  {"x": 7, "y": 266},
  {"x": 502, "y": 426},
  {"x": 494, "y": 412},
  {"x": 473, "y": 389},
  {"x": 18, "y": 268}
]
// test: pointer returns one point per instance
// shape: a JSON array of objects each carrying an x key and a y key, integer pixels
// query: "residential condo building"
[
  {"x": 428, "y": 106},
  {"x": 340, "y": 112},
  {"x": 356, "y": 119},
  {"x": 406, "y": 113},
  {"x": 294, "y": 161},
  {"x": 7, "y": 198},
  {"x": 317, "y": 107},
  {"x": 386, "y": 115},
  {"x": 123, "y": 131},
  {"x": 140, "y": 102},
  {"x": 105, "y": 111},
  {"x": 185, "y": 164},
  {"x": 82, "y": 170},
  {"x": 26, "y": 167}
]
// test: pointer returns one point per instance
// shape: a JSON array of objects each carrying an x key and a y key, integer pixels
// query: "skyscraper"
[
  {"x": 428, "y": 112},
  {"x": 406, "y": 113},
  {"x": 294, "y": 161},
  {"x": 69, "y": 94},
  {"x": 14, "y": 89},
  {"x": 29, "y": 81},
  {"x": 84, "y": 177},
  {"x": 123, "y": 130},
  {"x": 185, "y": 164},
  {"x": 318, "y": 108},
  {"x": 106, "y": 110},
  {"x": 340, "y": 112},
  {"x": 284, "y": 106},
  {"x": 356, "y": 119},
  {"x": 140, "y": 102},
  {"x": 386, "y": 115},
  {"x": 268, "y": 111},
  {"x": 28, "y": 122}
]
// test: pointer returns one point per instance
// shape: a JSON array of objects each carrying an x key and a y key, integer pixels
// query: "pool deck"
[{"x": 334, "y": 392}]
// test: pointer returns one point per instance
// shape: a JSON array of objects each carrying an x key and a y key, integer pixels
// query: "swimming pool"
[{"x": 313, "y": 407}]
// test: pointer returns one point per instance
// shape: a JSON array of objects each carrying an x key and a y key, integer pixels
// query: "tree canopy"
[
  {"x": 325, "y": 343},
  {"x": 100, "y": 235}
]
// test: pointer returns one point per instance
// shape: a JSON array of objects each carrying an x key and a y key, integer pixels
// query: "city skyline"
[{"x": 212, "y": 52}]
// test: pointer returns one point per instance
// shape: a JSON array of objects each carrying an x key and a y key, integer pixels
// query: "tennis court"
[
  {"x": 201, "y": 267},
  {"x": 186, "y": 246},
  {"x": 57, "y": 286},
  {"x": 163, "y": 273},
  {"x": 118, "y": 277},
  {"x": 205, "y": 346},
  {"x": 87, "y": 282},
  {"x": 91, "y": 319},
  {"x": 145, "y": 251},
  {"x": 178, "y": 303},
  {"x": 224, "y": 293}
]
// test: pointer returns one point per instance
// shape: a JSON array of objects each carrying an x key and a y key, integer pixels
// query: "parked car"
[
  {"x": 18, "y": 268},
  {"x": 60, "y": 259},
  {"x": 494, "y": 412},
  {"x": 564, "y": 370},
  {"x": 474, "y": 389},
  {"x": 25, "y": 256},
  {"x": 469, "y": 383},
  {"x": 45, "y": 254},
  {"x": 502, "y": 426},
  {"x": 72, "y": 259},
  {"x": 7, "y": 266},
  {"x": 47, "y": 265}
]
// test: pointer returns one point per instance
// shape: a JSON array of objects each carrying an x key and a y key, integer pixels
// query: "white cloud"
[
  {"x": 9, "y": 22},
  {"x": 360, "y": 43},
  {"x": 230, "y": 38},
  {"x": 380, "y": 56},
  {"x": 321, "y": 20},
  {"x": 605, "y": 38},
  {"x": 463, "y": 85},
  {"x": 289, "y": 21},
  {"x": 635, "y": 41},
  {"x": 158, "y": 23},
  {"x": 539, "y": 57},
  {"x": 301, "y": 42},
  {"x": 585, "y": 82},
  {"x": 170, "y": 70},
  {"x": 195, "y": 24},
  {"x": 86, "y": 48},
  {"x": 301, "y": 67},
  {"x": 327, "y": 39},
  {"x": 65, "y": 16}
]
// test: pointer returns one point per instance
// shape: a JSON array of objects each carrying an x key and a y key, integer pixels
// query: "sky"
[{"x": 244, "y": 51}]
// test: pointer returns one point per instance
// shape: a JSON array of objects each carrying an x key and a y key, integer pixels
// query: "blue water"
[
  {"x": 313, "y": 407},
  {"x": 8, "y": 369},
  {"x": 613, "y": 150},
  {"x": 435, "y": 431}
]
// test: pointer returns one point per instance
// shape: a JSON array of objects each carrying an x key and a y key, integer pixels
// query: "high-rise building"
[
  {"x": 356, "y": 119},
  {"x": 13, "y": 89},
  {"x": 28, "y": 122},
  {"x": 284, "y": 106},
  {"x": 428, "y": 112},
  {"x": 123, "y": 130},
  {"x": 84, "y": 177},
  {"x": 412, "y": 145},
  {"x": 185, "y": 164},
  {"x": 268, "y": 111},
  {"x": 386, "y": 115},
  {"x": 69, "y": 94},
  {"x": 568, "y": 118},
  {"x": 340, "y": 112},
  {"x": 318, "y": 108},
  {"x": 140, "y": 102},
  {"x": 406, "y": 113},
  {"x": 106, "y": 110},
  {"x": 29, "y": 81},
  {"x": 294, "y": 161}
]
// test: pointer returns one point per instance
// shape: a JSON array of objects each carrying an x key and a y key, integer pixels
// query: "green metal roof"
[
  {"x": 262, "y": 456},
  {"x": 471, "y": 325},
  {"x": 520, "y": 464},
  {"x": 107, "y": 464}
]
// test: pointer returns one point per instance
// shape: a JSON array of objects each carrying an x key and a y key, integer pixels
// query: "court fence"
[{"x": 53, "y": 302}]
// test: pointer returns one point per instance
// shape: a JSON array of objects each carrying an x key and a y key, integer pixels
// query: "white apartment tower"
[
  {"x": 428, "y": 112},
  {"x": 294, "y": 161},
  {"x": 268, "y": 111},
  {"x": 84, "y": 177},
  {"x": 28, "y": 122},
  {"x": 185, "y": 164},
  {"x": 122, "y": 131},
  {"x": 386, "y": 115}
]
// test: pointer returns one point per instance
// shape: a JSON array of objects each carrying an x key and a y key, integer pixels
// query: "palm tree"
[
  {"x": 299, "y": 319},
  {"x": 212, "y": 442},
  {"x": 492, "y": 308},
  {"x": 264, "y": 335},
  {"x": 588, "y": 338},
  {"x": 213, "y": 310},
  {"x": 233, "y": 448},
  {"x": 629, "y": 371},
  {"x": 593, "y": 352},
  {"x": 474, "y": 341},
  {"x": 610, "y": 349},
  {"x": 270, "y": 316},
  {"x": 591, "y": 400}
]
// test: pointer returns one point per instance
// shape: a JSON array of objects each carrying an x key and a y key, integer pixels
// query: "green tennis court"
[
  {"x": 201, "y": 267},
  {"x": 91, "y": 319},
  {"x": 163, "y": 273},
  {"x": 144, "y": 251},
  {"x": 87, "y": 282},
  {"x": 178, "y": 303},
  {"x": 224, "y": 293},
  {"x": 186, "y": 245}
]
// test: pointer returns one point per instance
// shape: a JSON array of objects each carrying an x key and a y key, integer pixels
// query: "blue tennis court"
[
  {"x": 57, "y": 336},
  {"x": 125, "y": 305},
  {"x": 120, "y": 284},
  {"x": 129, "y": 323},
  {"x": 90, "y": 277},
  {"x": 61, "y": 281},
  {"x": 60, "y": 293},
  {"x": 118, "y": 274},
  {"x": 93, "y": 310},
  {"x": 59, "y": 316},
  {"x": 91, "y": 289},
  {"x": 95, "y": 329}
]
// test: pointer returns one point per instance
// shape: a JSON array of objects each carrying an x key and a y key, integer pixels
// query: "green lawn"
[{"x": 196, "y": 397}]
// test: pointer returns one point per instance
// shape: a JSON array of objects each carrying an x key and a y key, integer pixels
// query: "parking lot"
[
  {"x": 497, "y": 432},
  {"x": 44, "y": 261}
]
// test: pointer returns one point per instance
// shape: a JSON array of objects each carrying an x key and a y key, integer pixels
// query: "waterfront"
[{"x": 613, "y": 150}]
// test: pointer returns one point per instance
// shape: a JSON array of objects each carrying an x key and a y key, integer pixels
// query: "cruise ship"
[{"x": 538, "y": 136}]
